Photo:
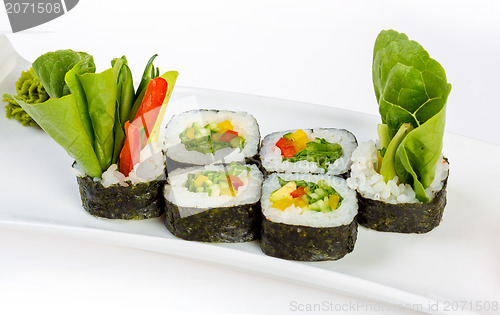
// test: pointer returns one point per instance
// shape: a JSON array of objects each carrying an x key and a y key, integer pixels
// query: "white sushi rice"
[
  {"x": 243, "y": 123},
  {"x": 370, "y": 184},
  {"x": 273, "y": 161},
  {"x": 176, "y": 192},
  {"x": 343, "y": 215},
  {"x": 150, "y": 167}
]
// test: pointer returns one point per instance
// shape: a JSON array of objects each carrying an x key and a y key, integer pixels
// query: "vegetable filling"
[
  {"x": 218, "y": 183},
  {"x": 211, "y": 137},
  {"x": 295, "y": 146},
  {"x": 308, "y": 196}
]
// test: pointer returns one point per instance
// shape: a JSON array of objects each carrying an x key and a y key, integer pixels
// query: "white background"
[{"x": 313, "y": 51}]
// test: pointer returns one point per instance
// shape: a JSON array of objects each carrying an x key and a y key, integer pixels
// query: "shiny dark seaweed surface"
[
  {"x": 134, "y": 202},
  {"x": 403, "y": 217},
  {"x": 306, "y": 243},
  {"x": 222, "y": 225}
]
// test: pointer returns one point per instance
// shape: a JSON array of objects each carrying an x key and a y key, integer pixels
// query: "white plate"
[{"x": 458, "y": 261}]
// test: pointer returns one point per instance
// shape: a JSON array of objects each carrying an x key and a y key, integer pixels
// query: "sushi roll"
[
  {"x": 317, "y": 151},
  {"x": 393, "y": 206},
  {"x": 202, "y": 137},
  {"x": 108, "y": 127},
  {"x": 401, "y": 179},
  {"x": 214, "y": 203},
  {"x": 134, "y": 197},
  {"x": 308, "y": 217}
]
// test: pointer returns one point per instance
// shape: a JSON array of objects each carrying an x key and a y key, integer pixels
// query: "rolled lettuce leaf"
[
  {"x": 417, "y": 156},
  {"x": 72, "y": 79},
  {"x": 100, "y": 91},
  {"x": 409, "y": 85},
  {"x": 51, "y": 69},
  {"x": 81, "y": 115},
  {"x": 61, "y": 120},
  {"x": 411, "y": 88}
]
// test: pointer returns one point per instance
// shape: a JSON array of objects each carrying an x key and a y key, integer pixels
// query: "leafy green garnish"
[
  {"x": 410, "y": 88},
  {"x": 80, "y": 114},
  {"x": 320, "y": 151},
  {"x": 52, "y": 67}
]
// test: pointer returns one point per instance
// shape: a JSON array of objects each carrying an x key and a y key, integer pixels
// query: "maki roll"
[
  {"x": 134, "y": 197},
  {"x": 308, "y": 217},
  {"x": 393, "y": 206},
  {"x": 214, "y": 203},
  {"x": 202, "y": 137},
  {"x": 317, "y": 151},
  {"x": 109, "y": 128},
  {"x": 401, "y": 179}
]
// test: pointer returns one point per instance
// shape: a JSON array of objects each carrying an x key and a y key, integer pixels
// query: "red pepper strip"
[
  {"x": 130, "y": 154},
  {"x": 144, "y": 118},
  {"x": 232, "y": 131},
  {"x": 299, "y": 192},
  {"x": 149, "y": 121},
  {"x": 286, "y": 146},
  {"x": 235, "y": 181},
  {"x": 153, "y": 98},
  {"x": 227, "y": 136}
]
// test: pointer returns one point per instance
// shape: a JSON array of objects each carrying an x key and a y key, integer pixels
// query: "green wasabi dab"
[{"x": 29, "y": 89}]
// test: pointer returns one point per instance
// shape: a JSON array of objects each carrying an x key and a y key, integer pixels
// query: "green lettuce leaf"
[
  {"x": 72, "y": 80},
  {"x": 100, "y": 91},
  {"x": 411, "y": 88},
  {"x": 409, "y": 85},
  {"x": 417, "y": 156},
  {"x": 61, "y": 120},
  {"x": 51, "y": 69},
  {"x": 81, "y": 115}
]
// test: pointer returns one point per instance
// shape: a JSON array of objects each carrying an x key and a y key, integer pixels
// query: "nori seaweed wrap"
[
  {"x": 306, "y": 243},
  {"x": 135, "y": 197},
  {"x": 402, "y": 217},
  {"x": 134, "y": 202},
  {"x": 313, "y": 223},
  {"x": 219, "y": 225},
  {"x": 214, "y": 203}
]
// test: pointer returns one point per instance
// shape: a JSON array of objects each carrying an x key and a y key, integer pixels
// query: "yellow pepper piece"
[
  {"x": 333, "y": 201},
  {"x": 282, "y": 204},
  {"x": 300, "y": 202},
  {"x": 379, "y": 161},
  {"x": 190, "y": 133},
  {"x": 300, "y": 139},
  {"x": 225, "y": 126},
  {"x": 200, "y": 180},
  {"x": 226, "y": 192}
]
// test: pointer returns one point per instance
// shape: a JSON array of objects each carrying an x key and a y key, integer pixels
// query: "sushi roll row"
[
  {"x": 214, "y": 185},
  {"x": 300, "y": 192}
]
